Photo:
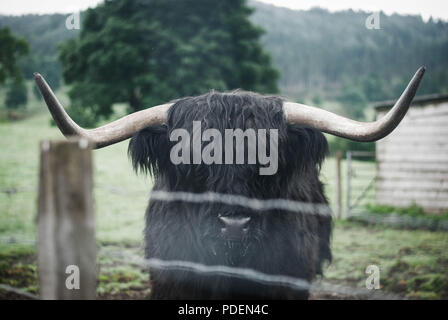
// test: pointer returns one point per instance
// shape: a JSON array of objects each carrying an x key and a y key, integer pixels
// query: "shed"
[{"x": 412, "y": 162}]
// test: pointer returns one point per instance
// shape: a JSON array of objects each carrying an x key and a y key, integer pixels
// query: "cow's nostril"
[{"x": 234, "y": 228}]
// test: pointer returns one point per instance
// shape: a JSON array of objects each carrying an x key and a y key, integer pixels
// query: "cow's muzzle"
[{"x": 234, "y": 228}]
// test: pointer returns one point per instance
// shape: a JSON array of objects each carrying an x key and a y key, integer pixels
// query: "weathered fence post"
[
  {"x": 66, "y": 231},
  {"x": 338, "y": 184}
]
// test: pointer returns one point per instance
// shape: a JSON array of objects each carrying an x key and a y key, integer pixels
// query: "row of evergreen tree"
[
  {"x": 147, "y": 51},
  {"x": 334, "y": 56}
]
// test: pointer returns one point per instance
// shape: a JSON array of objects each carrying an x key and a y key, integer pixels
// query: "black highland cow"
[{"x": 276, "y": 242}]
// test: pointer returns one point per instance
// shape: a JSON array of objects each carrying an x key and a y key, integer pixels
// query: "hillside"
[
  {"x": 44, "y": 33},
  {"x": 316, "y": 49},
  {"x": 320, "y": 55}
]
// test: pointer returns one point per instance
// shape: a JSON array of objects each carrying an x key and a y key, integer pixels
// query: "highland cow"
[
  {"x": 276, "y": 242},
  {"x": 273, "y": 242}
]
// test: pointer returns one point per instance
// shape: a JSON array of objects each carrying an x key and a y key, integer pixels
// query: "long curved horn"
[
  {"x": 108, "y": 134},
  {"x": 346, "y": 128}
]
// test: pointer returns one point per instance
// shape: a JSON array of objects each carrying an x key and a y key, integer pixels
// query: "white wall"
[{"x": 413, "y": 160}]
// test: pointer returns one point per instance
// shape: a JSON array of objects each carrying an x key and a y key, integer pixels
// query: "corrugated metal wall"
[{"x": 413, "y": 160}]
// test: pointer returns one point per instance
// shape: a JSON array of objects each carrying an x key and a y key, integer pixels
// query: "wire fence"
[
  {"x": 221, "y": 270},
  {"x": 357, "y": 212},
  {"x": 250, "y": 203},
  {"x": 316, "y": 289},
  {"x": 235, "y": 272},
  {"x": 251, "y": 275},
  {"x": 18, "y": 240},
  {"x": 360, "y": 180}
]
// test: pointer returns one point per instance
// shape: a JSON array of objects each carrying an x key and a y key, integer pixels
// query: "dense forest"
[
  {"x": 320, "y": 55},
  {"x": 44, "y": 33},
  {"x": 316, "y": 50},
  {"x": 136, "y": 52}
]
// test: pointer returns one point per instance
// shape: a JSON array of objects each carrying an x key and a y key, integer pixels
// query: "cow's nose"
[{"x": 234, "y": 228}]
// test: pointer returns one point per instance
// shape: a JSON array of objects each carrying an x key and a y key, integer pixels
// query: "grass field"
[{"x": 412, "y": 263}]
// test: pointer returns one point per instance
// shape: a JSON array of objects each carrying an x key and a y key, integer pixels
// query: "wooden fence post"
[
  {"x": 338, "y": 184},
  {"x": 66, "y": 230}
]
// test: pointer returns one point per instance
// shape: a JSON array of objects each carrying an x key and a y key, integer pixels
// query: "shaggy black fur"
[{"x": 279, "y": 242}]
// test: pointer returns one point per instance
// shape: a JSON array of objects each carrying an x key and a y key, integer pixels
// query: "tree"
[
  {"x": 43, "y": 32},
  {"x": 353, "y": 102},
  {"x": 374, "y": 88},
  {"x": 11, "y": 48},
  {"x": 16, "y": 95},
  {"x": 344, "y": 145},
  {"x": 146, "y": 52},
  {"x": 36, "y": 92}
]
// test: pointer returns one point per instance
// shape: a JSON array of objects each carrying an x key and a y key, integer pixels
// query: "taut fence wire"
[
  {"x": 394, "y": 220},
  {"x": 221, "y": 270},
  {"x": 55, "y": 216},
  {"x": 251, "y": 275},
  {"x": 242, "y": 201}
]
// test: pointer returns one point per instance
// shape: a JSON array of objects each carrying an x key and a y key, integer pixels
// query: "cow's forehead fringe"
[{"x": 236, "y": 109}]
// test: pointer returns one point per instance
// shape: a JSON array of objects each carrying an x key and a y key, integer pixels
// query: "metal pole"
[
  {"x": 338, "y": 184},
  {"x": 349, "y": 176}
]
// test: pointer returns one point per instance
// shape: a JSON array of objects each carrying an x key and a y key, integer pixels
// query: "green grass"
[
  {"x": 119, "y": 217},
  {"x": 120, "y": 279},
  {"x": 18, "y": 267},
  {"x": 412, "y": 211},
  {"x": 121, "y": 214},
  {"x": 412, "y": 263},
  {"x": 412, "y": 217}
]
